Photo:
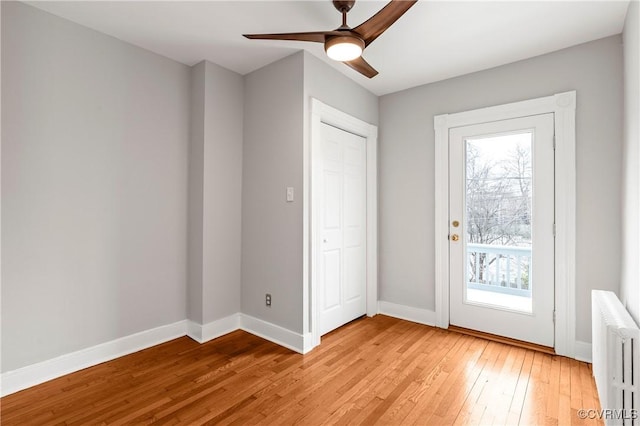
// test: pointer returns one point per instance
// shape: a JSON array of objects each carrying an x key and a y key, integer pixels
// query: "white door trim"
[
  {"x": 563, "y": 106},
  {"x": 323, "y": 113}
]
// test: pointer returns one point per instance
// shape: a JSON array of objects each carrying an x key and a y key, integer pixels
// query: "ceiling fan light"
[{"x": 344, "y": 48}]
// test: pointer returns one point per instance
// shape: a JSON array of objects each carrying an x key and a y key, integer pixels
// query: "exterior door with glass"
[{"x": 501, "y": 228}]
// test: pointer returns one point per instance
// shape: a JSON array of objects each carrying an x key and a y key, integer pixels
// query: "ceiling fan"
[{"x": 345, "y": 44}]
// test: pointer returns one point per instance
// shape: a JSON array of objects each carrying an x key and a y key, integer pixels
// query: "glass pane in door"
[{"x": 498, "y": 221}]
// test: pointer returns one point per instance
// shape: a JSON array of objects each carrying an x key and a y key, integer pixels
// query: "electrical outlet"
[{"x": 267, "y": 299}]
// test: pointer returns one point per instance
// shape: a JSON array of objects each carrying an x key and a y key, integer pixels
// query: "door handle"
[{"x": 455, "y": 237}]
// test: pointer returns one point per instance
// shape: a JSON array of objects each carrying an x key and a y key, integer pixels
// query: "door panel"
[
  {"x": 501, "y": 228},
  {"x": 332, "y": 208},
  {"x": 342, "y": 228},
  {"x": 331, "y": 263},
  {"x": 353, "y": 276}
]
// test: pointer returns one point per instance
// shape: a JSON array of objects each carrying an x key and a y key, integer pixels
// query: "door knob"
[
  {"x": 455, "y": 223},
  {"x": 455, "y": 237}
]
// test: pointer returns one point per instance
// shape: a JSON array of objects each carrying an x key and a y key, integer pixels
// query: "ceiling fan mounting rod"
[{"x": 344, "y": 6}]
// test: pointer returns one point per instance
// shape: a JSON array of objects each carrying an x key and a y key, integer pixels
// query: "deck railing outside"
[{"x": 501, "y": 269}]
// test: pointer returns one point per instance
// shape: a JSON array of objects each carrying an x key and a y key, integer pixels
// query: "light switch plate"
[{"x": 289, "y": 194}]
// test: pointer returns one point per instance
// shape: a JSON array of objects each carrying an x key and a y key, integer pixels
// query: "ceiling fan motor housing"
[{"x": 353, "y": 45}]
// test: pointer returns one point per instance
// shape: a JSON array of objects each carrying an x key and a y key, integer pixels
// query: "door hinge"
[
  {"x": 554, "y": 141},
  {"x": 554, "y": 230},
  {"x": 554, "y": 316}
]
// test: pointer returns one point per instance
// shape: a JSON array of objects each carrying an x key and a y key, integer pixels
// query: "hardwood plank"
[
  {"x": 553, "y": 396},
  {"x": 450, "y": 403},
  {"x": 486, "y": 401},
  {"x": 378, "y": 370},
  {"x": 507, "y": 384},
  {"x": 436, "y": 381},
  {"x": 477, "y": 381},
  {"x": 534, "y": 408},
  {"x": 517, "y": 402},
  {"x": 565, "y": 415},
  {"x": 411, "y": 395}
]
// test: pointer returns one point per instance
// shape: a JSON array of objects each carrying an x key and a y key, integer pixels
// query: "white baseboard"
[
  {"x": 583, "y": 351},
  {"x": 22, "y": 378},
  {"x": 308, "y": 343},
  {"x": 211, "y": 330},
  {"x": 194, "y": 331},
  {"x": 421, "y": 316},
  {"x": 31, "y": 375},
  {"x": 274, "y": 333}
]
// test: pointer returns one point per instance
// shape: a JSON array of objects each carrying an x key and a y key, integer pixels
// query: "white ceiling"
[{"x": 433, "y": 41}]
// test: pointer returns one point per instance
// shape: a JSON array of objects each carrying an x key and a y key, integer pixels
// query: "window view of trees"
[{"x": 499, "y": 197}]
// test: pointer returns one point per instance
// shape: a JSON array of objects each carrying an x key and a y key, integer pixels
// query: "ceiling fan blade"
[
  {"x": 315, "y": 36},
  {"x": 378, "y": 23},
  {"x": 363, "y": 67}
]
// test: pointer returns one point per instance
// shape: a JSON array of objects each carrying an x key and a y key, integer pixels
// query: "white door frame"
[
  {"x": 323, "y": 113},
  {"x": 563, "y": 106}
]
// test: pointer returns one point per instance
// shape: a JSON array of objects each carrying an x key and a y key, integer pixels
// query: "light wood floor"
[{"x": 377, "y": 370}]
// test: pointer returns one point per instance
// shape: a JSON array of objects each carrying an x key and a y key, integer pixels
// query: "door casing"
[
  {"x": 323, "y": 113},
  {"x": 563, "y": 106}
]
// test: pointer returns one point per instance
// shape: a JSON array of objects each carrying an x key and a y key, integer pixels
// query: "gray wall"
[
  {"x": 407, "y": 201},
  {"x": 277, "y": 99},
  {"x": 196, "y": 195},
  {"x": 119, "y": 164},
  {"x": 630, "y": 287},
  {"x": 94, "y": 187},
  {"x": 223, "y": 132},
  {"x": 272, "y": 160},
  {"x": 0, "y": 188},
  {"x": 215, "y": 191},
  {"x": 333, "y": 88},
  {"x": 337, "y": 90}
]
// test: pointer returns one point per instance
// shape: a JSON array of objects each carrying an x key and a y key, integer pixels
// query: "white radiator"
[{"x": 616, "y": 359}]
